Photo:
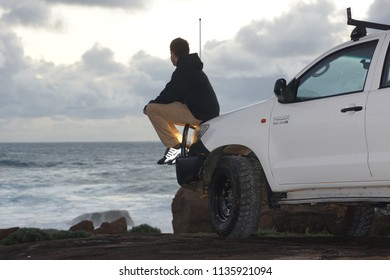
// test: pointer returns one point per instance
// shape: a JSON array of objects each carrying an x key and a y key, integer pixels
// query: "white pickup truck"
[{"x": 323, "y": 140}]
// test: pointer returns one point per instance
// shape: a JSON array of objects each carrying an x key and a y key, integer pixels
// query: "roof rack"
[{"x": 360, "y": 30}]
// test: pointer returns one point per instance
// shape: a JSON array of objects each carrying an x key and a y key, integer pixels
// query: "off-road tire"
[
  {"x": 350, "y": 220},
  {"x": 234, "y": 197}
]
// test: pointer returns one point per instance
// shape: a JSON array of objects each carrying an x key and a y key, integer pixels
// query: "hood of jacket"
[{"x": 191, "y": 60}]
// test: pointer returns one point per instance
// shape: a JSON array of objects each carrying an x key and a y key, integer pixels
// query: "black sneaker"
[{"x": 171, "y": 154}]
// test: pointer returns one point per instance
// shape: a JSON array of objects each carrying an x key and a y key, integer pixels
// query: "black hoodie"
[{"x": 190, "y": 85}]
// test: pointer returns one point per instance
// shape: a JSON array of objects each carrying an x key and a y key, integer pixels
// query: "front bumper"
[{"x": 189, "y": 167}]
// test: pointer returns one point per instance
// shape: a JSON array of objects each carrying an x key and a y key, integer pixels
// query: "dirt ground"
[{"x": 201, "y": 247}]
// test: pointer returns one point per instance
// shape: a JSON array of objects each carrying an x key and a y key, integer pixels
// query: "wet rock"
[
  {"x": 190, "y": 213},
  {"x": 97, "y": 218},
  {"x": 83, "y": 225},
  {"x": 118, "y": 226}
]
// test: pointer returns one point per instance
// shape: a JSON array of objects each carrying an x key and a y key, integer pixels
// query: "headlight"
[{"x": 199, "y": 132}]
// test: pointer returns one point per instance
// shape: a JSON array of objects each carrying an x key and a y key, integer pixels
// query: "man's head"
[{"x": 179, "y": 47}]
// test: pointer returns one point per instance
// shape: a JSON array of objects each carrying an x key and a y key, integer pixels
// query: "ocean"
[{"x": 47, "y": 185}]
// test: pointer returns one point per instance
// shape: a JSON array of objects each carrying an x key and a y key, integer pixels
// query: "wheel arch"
[{"x": 215, "y": 156}]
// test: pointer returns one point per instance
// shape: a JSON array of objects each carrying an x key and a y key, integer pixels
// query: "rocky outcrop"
[
  {"x": 190, "y": 213},
  {"x": 118, "y": 226},
  {"x": 97, "y": 218},
  {"x": 84, "y": 226}
]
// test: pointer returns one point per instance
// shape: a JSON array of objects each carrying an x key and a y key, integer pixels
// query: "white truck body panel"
[{"x": 311, "y": 149}]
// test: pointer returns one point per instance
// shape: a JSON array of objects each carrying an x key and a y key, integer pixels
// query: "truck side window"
[
  {"x": 340, "y": 73},
  {"x": 385, "y": 81}
]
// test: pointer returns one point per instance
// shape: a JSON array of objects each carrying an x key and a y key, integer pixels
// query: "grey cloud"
[
  {"x": 290, "y": 34},
  {"x": 96, "y": 87},
  {"x": 152, "y": 74},
  {"x": 28, "y": 13},
  {"x": 154, "y": 66},
  {"x": 38, "y": 13},
  {"x": 100, "y": 61},
  {"x": 379, "y": 12},
  {"x": 12, "y": 61},
  {"x": 11, "y": 53},
  {"x": 280, "y": 47}
]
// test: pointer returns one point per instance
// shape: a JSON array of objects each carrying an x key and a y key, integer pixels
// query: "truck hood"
[{"x": 244, "y": 126}]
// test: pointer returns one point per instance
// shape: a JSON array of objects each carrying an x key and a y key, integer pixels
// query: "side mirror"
[
  {"x": 284, "y": 92},
  {"x": 280, "y": 88}
]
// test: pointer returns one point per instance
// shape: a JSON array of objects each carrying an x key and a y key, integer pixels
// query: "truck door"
[
  {"x": 320, "y": 137},
  {"x": 378, "y": 121}
]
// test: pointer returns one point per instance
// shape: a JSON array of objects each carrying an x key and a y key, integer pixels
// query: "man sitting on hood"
[{"x": 188, "y": 98}]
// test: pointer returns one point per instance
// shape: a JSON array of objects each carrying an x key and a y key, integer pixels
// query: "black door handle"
[{"x": 349, "y": 109}]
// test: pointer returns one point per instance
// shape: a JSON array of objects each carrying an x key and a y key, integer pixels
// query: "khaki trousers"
[{"x": 164, "y": 117}]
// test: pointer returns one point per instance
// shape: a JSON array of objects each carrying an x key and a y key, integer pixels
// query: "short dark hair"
[{"x": 179, "y": 47}]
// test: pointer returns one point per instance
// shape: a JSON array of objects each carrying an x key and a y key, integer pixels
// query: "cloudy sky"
[{"x": 82, "y": 70}]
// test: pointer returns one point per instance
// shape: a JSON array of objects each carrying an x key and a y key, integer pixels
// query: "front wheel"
[{"x": 234, "y": 196}]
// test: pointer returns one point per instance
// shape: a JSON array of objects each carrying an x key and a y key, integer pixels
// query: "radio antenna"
[{"x": 200, "y": 37}]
